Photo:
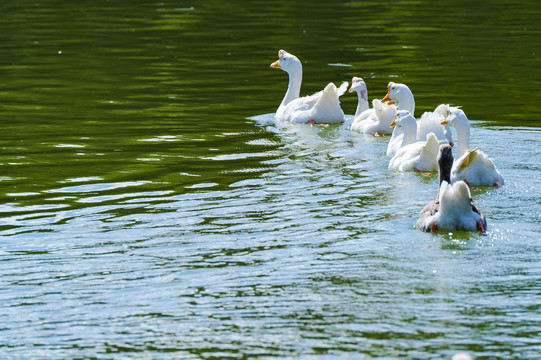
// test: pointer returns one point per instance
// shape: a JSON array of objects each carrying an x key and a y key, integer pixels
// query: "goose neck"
[
  {"x": 463, "y": 138},
  {"x": 410, "y": 133},
  {"x": 407, "y": 102},
  {"x": 293, "y": 88},
  {"x": 362, "y": 105}
]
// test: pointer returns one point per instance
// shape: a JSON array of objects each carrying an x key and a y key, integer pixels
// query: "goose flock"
[{"x": 423, "y": 144}]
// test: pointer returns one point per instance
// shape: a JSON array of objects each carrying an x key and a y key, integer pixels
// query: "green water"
[{"x": 151, "y": 208}]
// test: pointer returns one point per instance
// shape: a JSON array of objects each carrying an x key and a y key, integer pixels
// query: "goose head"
[
  {"x": 405, "y": 121},
  {"x": 448, "y": 111},
  {"x": 403, "y": 118},
  {"x": 457, "y": 118},
  {"x": 443, "y": 110},
  {"x": 454, "y": 116},
  {"x": 287, "y": 62},
  {"x": 395, "y": 92},
  {"x": 401, "y": 94},
  {"x": 358, "y": 85}
]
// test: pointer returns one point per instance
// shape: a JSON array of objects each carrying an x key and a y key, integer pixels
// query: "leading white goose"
[
  {"x": 371, "y": 121},
  {"x": 473, "y": 166},
  {"x": 320, "y": 108},
  {"x": 430, "y": 122},
  {"x": 414, "y": 155}
]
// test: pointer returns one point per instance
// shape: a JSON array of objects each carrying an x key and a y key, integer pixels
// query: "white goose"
[
  {"x": 430, "y": 122},
  {"x": 358, "y": 85},
  {"x": 473, "y": 166},
  {"x": 370, "y": 121},
  {"x": 396, "y": 140},
  {"x": 320, "y": 108},
  {"x": 414, "y": 155},
  {"x": 401, "y": 138},
  {"x": 403, "y": 95}
]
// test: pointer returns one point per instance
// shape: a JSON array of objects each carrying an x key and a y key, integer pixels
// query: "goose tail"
[
  {"x": 329, "y": 96},
  {"x": 343, "y": 88}
]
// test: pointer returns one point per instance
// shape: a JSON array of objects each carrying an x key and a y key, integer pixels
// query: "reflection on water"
[{"x": 148, "y": 209}]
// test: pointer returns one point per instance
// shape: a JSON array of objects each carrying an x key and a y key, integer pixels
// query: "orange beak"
[
  {"x": 387, "y": 97},
  {"x": 276, "y": 64},
  {"x": 392, "y": 124},
  {"x": 354, "y": 79},
  {"x": 444, "y": 122}
]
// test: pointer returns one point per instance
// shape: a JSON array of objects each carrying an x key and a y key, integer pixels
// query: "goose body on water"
[
  {"x": 457, "y": 213},
  {"x": 430, "y": 122},
  {"x": 375, "y": 120},
  {"x": 473, "y": 166},
  {"x": 320, "y": 108},
  {"x": 414, "y": 155},
  {"x": 404, "y": 134}
]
